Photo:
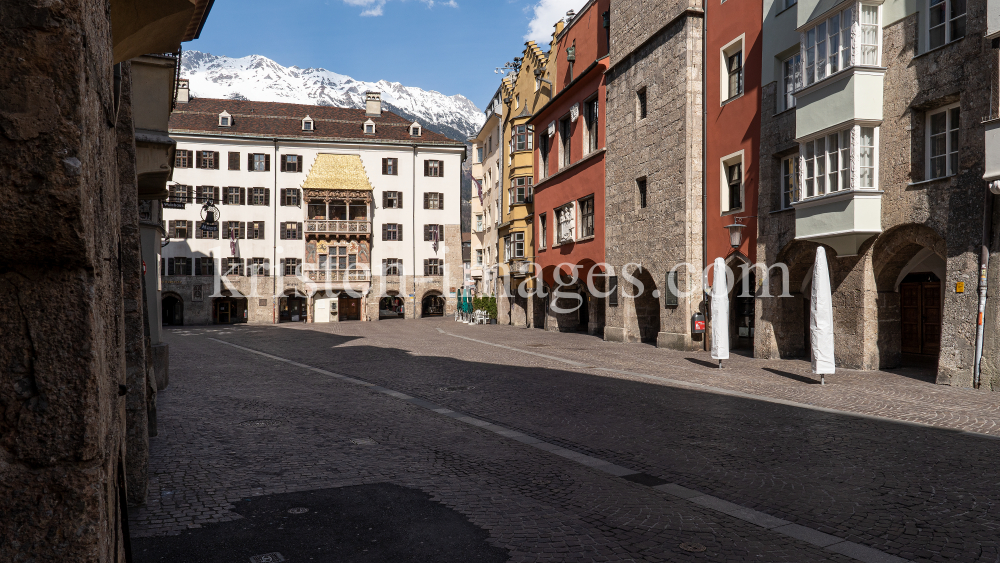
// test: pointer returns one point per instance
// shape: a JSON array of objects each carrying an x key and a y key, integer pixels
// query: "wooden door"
[
  {"x": 920, "y": 312},
  {"x": 224, "y": 312},
  {"x": 350, "y": 309}
]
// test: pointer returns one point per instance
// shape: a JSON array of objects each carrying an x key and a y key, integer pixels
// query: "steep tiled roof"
[
  {"x": 272, "y": 119},
  {"x": 337, "y": 172}
]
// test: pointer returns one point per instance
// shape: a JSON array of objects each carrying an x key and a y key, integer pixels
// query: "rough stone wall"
[
  {"x": 944, "y": 215},
  {"x": 665, "y": 148},
  {"x": 136, "y": 401},
  {"x": 61, "y": 359}
]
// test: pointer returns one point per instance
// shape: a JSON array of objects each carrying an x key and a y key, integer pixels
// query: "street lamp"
[{"x": 736, "y": 234}]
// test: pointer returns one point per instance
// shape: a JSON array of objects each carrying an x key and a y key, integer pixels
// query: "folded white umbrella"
[
  {"x": 720, "y": 312},
  {"x": 821, "y": 318}
]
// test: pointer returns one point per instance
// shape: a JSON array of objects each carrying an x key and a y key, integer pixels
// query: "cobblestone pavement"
[{"x": 563, "y": 447}]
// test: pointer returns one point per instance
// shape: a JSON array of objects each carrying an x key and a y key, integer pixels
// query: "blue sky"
[{"x": 452, "y": 46}]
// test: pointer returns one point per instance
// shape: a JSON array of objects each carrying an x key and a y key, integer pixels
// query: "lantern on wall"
[{"x": 735, "y": 234}]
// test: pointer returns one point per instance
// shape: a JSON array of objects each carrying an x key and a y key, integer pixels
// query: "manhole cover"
[
  {"x": 364, "y": 441},
  {"x": 457, "y": 388},
  {"x": 692, "y": 547},
  {"x": 267, "y": 558},
  {"x": 299, "y": 510},
  {"x": 261, "y": 423}
]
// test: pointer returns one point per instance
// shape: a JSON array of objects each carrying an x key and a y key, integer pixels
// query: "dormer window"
[
  {"x": 415, "y": 129},
  {"x": 225, "y": 120},
  {"x": 307, "y": 124},
  {"x": 369, "y": 127}
]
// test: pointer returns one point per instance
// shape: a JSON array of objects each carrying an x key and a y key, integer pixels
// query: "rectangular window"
[
  {"x": 735, "y": 70},
  {"x": 182, "y": 266},
  {"x": 640, "y": 185},
  {"x": 205, "y": 266},
  {"x": 182, "y": 159},
  {"x": 433, "y": 267},
  {"x": 259, "y": 162},
  {"x": 479, "y": 257},
  {"x": 592, "y": 109},
  {"x": 393, "y": 267},
  {"x": 231, "y": 229},
  {"x": 543, "y": 156},
  {"x": 433, "y": 200},
  {"x": 826, "y": 161},
  {"x": 259, "y": 266},
  {"x": 179, "y": 193},
  {"x": 206, "y": 159},
  {"x": 946, "y": 21},
  {"x": 392, "y": 231},
  {"x": 291, "y": 231},
  {"x": 234, "y": 161},
  {"x": 291, "y": 163},
  {"x": 791, "y": 79},
  {"x": 543, "y": 230},
  {"x": 734, "y": 180},
  {"x": 520, "y": 190},
  {"x": 869, "y": 35},
  {"x": 260, "y": 196},
  {"x": 565, "y": 135},
  {"x": 291, "y": 266},
  {"x": 429, "y": 231},
  {"x": 866, "y": 160},
  {"x": 640, "y": 103},
  {"x": 233, "y": 266},
  {"x": 789, "y": 181},
  {"x": 233, "y": 196},
  {"x": 390, "y": 167},
  {"x": 255, "y": 230},
  {"x": 827, "y": 47},
  {"x": 517, "y": 245},
  {"x": 291, "y": 197},
  {"x": 204, "y": 194},
  {"x": 942, "y": 142},
  {"x": 479, "y": 222},
  {"x": 521, "y": 140},
  {"x": 587, "y": 217},
  {"x": 434, "y": 168},
  {"x": 479, "y": 154},
  {"x": 392, "y": 200}
]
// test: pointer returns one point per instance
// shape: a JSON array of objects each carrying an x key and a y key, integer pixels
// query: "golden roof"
[{"x": 337, "y": 172}]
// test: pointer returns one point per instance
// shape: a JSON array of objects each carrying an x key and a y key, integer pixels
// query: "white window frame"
[
  {"x": 479, "y": 257},
  {"x": 729, "y": 49},
  {"x": 847, "y": 56},
  {"x": 369, "y": 127},
  {"x": 952, "y": 142},
  {"x": 225, "y": 119},
  {"x": 308, "y": 124},
  {"x": 725, "y": 162},
  {"x": 946, "y": 24},
  {"x": 543, "y": 230},
  {"x": 849, "y": 162},
  {"x": 791, "y": 80},
  {"x": 789, "y": 173}
]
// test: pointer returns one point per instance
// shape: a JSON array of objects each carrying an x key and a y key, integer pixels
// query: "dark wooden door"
[
  {"x": 224, "y": 312},
  {"x": 920, "y": 312},
  {"x": 350, "y": 309}
]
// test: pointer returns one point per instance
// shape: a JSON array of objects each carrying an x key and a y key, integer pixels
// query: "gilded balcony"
[{"x": 339, "y": 227}]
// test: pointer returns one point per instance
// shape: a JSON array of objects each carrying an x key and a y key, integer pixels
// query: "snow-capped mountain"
[{"x": 260, "y": 79}]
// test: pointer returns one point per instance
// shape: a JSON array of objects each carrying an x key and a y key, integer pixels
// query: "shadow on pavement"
[
  {"x": 365, "y": 523},
  {"x": 794, "y": 376}
]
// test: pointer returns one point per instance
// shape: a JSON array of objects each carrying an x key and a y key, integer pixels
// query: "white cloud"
[
  {"x": 546, "y": 14},
  {"x": 374, "y": 7}
]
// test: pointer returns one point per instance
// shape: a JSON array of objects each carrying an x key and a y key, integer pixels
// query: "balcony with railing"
[
  {"x": 339, "y": 227},
  {"x": 318, "y": 275}
]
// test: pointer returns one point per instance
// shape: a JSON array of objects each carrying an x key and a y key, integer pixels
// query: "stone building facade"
[
  {"x": 322, "y": 202},
  {"x": 654, "y": 189},
  {"x": 74, "y": 381},
  {"x": 904, "y": 231}
]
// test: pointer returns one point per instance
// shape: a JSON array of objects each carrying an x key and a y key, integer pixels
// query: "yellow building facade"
[{"x": 527, "y": 90}]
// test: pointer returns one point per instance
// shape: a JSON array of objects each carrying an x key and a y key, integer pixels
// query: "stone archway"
[
  {"x": 391, "y": 306},
  {"x": 781, "y": 325},
  {"x": 172, "y": 309},
  {"x": 645, "y": 303},
  {"x": 432, "y": 305}
]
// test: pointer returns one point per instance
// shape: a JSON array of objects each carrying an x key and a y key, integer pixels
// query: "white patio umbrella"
[
  {"x": 720, "y": 312},
  {"x": 821, "y": 319}
]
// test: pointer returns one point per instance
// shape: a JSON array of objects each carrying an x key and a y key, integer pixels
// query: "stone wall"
[
  {"x": 665, "y": 149},
  {"x": 944, "y": 216},
  {"x": 61, "y": 272}
]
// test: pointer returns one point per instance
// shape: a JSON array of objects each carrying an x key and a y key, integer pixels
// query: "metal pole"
[{"x": 984, "y": 262}]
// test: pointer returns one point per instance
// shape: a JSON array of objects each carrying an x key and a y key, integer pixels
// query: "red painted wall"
[{"x": 734, "y": 126}]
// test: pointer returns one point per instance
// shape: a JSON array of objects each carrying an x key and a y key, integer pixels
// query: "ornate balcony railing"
[
  {"x": 339, "y": 227},
  {"x": 317, "y": 275}
]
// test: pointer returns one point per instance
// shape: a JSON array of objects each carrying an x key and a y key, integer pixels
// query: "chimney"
[
  {"x": 183, "y": 92},
  {"x": 569, "y": 16},
  {"x": 373, "y": 104}
]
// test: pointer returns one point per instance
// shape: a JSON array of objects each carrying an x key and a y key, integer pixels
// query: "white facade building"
[{"x": 322, "y": 200}]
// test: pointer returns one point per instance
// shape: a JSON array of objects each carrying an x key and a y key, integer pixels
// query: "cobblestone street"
[{"x": 437, "y": 441}]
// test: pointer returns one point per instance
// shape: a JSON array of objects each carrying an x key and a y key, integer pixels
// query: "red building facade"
[
  {"x": 733, "y": 105},
  {"x": 569, "y": 181}
]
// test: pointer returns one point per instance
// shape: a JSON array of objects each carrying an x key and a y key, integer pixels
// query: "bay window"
[
  {"x": 827, "y": 46},
  {"x": 825, "y": 163}
]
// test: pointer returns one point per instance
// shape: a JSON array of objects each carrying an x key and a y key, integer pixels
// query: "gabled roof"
[{"x": 272, "y": 119}]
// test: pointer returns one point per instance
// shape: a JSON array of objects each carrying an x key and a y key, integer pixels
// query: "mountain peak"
[{"x": 258, "y": 78}]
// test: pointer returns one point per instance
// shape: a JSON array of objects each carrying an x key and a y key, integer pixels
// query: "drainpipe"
[
  {"x": 274, "y": 238},
  {"x": 704, "y": 157},
  {"x": 984, "y": 263},
  {"x": 413, "y": 236}
]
